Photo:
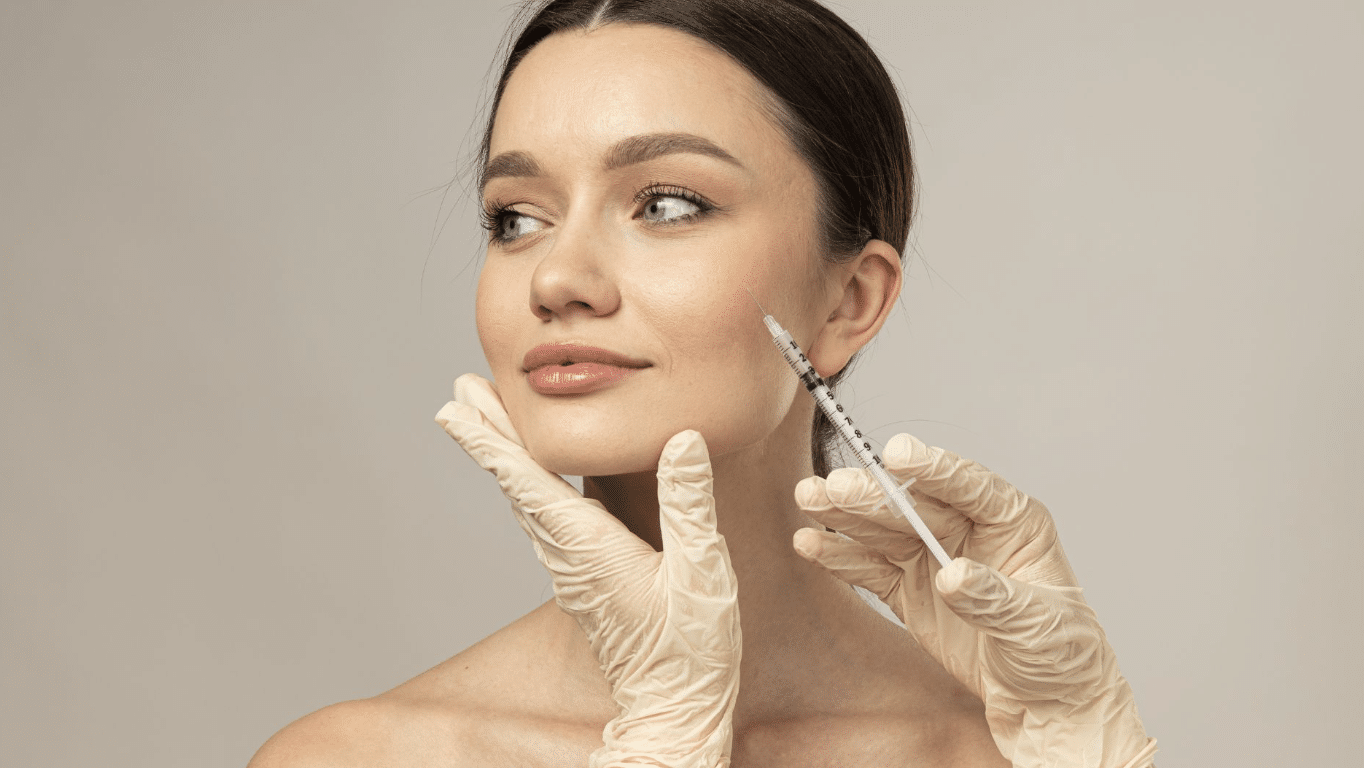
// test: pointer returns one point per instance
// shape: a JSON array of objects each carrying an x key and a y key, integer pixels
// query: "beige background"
[{"x": 225, "y": 330}]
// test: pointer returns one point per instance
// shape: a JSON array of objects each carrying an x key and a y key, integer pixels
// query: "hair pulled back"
[{"x": 830, "y": 94}]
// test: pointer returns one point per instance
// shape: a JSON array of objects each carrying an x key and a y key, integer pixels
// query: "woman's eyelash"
[
  {"x": 490, "y": 215},
  {"x": 667, "y": 190},
  {"x": 493, "y": 216}
]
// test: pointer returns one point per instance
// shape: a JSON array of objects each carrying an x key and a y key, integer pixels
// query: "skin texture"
[
  {"x": 593, "y": 269},
  {"x": 824, "y": 679}
]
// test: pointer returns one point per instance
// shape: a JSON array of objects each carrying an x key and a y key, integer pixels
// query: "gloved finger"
[
  {"x": 1015, "y": 528},
  {"x": 463, "y": 423},
  {"x": 946, "y": 524},
  {"x": 851, "y": 502},
  {"x": 1045, "y": 642},
  {"x": 960, "y": 483},
  {"x": 472, "y": 389},
  {"x": 848, "y": 503},
  {"x": 851, "y": 561},
  {"x": 693, "y": 549},
  {"x": 905, "y": 587},
  {"x": 524, "y": 481},
  {"x": 703, "y": 591}
]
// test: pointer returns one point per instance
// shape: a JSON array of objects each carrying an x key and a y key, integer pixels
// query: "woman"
[{"x": 647, "y": 166}]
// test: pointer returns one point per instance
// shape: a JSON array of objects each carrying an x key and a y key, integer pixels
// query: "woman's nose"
[{"x": 572, "y": 278}]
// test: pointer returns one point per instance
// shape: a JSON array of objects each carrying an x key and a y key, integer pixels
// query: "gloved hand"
[
  {"x": 664, "y": 626},
  {"x": 1006, "y": 617}
]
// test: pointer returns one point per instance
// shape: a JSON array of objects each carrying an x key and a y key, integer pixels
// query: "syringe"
[{"x": 850, "y": 434}]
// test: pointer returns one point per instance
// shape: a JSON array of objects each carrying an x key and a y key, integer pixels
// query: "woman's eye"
[
  {"x": 510, "y": 225},
  {"x": 666, "y": 208}
]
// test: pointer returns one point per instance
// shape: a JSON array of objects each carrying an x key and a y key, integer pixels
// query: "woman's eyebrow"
[
  {"x": 515, "y": 164},
  {"x": 629, "y": 151},
  {"x": 638, "y": 149}
]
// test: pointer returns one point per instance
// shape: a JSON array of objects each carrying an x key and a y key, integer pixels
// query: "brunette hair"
[{"x": 829, "y": 92}]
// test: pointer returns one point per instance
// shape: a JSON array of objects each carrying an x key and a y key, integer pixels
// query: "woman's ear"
[{"x": 863, "y": 295}]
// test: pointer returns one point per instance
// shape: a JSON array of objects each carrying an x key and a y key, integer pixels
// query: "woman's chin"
[{"x": 593, "y": 461}]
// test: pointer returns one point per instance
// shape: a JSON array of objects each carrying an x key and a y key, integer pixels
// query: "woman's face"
[{"x": 637, "y": 191}]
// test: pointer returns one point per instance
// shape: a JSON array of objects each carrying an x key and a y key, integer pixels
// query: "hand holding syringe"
[
  {"x": 1006, "y": 617},
  {"x": 895, "y": 494}
]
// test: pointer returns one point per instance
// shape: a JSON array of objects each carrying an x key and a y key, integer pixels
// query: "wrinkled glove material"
[
  {"x": 1007, "y": 617},
  {"x": 663, "y": 625}
]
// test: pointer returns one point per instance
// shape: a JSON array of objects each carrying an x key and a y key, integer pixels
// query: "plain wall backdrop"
[{"x": 225, "y": 327}]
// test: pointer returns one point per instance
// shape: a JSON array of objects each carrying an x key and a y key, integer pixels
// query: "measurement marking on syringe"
[{"x": 861, "y": 447}]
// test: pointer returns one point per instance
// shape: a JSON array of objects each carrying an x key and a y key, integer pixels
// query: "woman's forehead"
[{"x": 583, "y": 92}]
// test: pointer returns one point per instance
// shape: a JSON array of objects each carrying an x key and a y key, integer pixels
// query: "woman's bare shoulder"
[
  {"x": 494, "y": 701},
  {"x": 365, "y": 732}
]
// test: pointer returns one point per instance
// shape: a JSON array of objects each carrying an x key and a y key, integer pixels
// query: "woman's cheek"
[
  {"x": 744, "y": 398},
  {"x": 494, "y": 317}
]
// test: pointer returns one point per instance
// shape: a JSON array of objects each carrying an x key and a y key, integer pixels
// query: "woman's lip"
[
  {"x": 561, "y": 354},
  {"x": 577, "y": 378}
]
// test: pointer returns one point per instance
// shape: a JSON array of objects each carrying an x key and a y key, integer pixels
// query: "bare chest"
[{"x": 873, "y": 742}]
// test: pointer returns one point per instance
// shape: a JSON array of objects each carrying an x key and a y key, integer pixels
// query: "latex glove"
[
  {"x": 664, "y": 626},
  {"x": 1006, "y": 617}
]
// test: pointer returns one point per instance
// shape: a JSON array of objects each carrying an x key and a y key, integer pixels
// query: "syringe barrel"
[
  {"x": 895, "y": 496},
  {"x": 796, "y": 358},
  {"x": 819, "y": 389},
  {"x": 851, "y": 434}
]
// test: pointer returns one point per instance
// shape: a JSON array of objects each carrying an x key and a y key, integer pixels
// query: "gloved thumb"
[
  {"x": 977, "y": 593},
  {"x": 694, "y": 552},
  {"x": 1042, "y": 641},
  {"x": 474, "y": 390}
]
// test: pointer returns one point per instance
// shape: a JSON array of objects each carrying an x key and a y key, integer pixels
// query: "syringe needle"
[{"x": 755, "y": 301}]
